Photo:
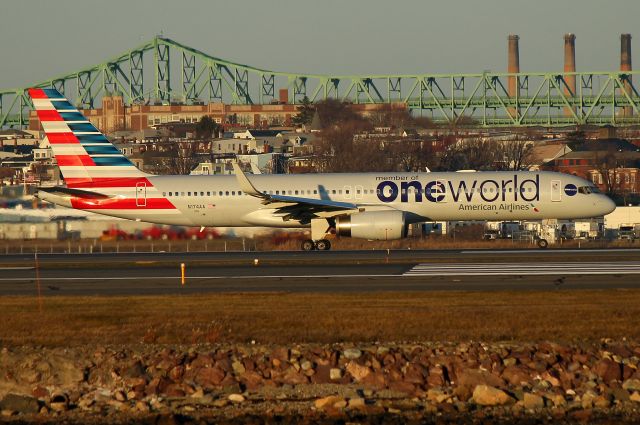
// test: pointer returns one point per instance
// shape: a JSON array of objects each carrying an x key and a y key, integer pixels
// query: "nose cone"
[{"x": 606, "y": 205}]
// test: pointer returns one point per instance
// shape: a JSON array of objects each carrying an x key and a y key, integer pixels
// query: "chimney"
[
  {"x": 625, "y": 66},
  {"x": 569, "y": 66},
  {"x": 513, "y": 67},
  {"x": 514, "y": 63}
]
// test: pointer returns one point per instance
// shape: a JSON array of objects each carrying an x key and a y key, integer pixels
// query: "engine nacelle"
[{"x": 376, "y": 225}]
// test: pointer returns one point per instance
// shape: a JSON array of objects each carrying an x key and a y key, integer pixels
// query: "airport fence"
[{"x": 132, "y": 246}]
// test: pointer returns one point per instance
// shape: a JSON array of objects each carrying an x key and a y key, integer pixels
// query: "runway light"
[
  {"x": 182, "y": 274},
  {"x": 256, "y": 261}
]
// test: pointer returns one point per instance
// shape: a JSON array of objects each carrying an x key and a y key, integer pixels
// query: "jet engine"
[{"x": 373, "y": 225}]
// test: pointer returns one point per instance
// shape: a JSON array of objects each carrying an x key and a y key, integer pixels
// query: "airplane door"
[
  {"x": 141, "y": 194},
  {"x": 556, "y": 191},
  {"x": 359, "y": 190}
]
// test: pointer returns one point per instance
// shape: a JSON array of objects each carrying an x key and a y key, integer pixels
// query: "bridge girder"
[{"x": 541, "y": 99}]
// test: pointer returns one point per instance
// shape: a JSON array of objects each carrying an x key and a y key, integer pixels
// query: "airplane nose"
[{"x": 606, "y": 204}]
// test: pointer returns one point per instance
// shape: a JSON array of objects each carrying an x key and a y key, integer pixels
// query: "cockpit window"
[{"x": 588, "y": 189}]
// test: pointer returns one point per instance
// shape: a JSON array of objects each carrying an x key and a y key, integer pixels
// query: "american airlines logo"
[{"x": 489, "y": 190}]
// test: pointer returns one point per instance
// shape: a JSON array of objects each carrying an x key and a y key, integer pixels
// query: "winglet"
[
  {"x": 254, "y": 168},
  {"x": 246, "y": 185}
]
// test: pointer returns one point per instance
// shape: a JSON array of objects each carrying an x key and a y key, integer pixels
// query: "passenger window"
[
  {"x": 181, "y": 193},
  {"x": 220, "y": 193},
  {"x": 208, "y": 193},
  {"x": 201, "y": 193},
  {"x": 277, "y": 192},
  {"x": 163, "y": 193},
  {"x": 188, "y": 193},
  {"x": 315, "y": 191},
  {"x": 226, "y": 192},
  {"x": 289, "y": 192},
  {"x": 233, "y": 193},
  {"x": 333, "y": 191},
  {"x": 296, "y": 192}
]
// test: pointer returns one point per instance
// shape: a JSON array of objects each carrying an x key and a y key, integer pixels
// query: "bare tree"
[
  {"x": 608, "y": 167},
  {"x": 182, "y": 158},
  {"x": 517, "y": 155},
  {"x": 470, "y": 154},
  {"x": 412, "y": 155}
]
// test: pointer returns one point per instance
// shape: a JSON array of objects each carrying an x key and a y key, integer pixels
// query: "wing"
[{"x": 294, "y": 207}]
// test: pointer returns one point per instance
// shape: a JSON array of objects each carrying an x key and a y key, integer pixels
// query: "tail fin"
[{"x": 85, "y": 156}]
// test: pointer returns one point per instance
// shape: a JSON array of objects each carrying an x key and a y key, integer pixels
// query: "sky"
[{"x": 45, "y": 38}]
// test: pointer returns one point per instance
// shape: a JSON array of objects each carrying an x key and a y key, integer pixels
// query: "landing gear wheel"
[
  {"x": 323, "y": 245},
  {"x": 308, "y": 245},
  {"x": 543, "y": 244}
]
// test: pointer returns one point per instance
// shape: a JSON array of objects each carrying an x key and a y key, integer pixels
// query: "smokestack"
[
  {"x": 569, "y": 66},
  {"x": 625, "y": 66},
  {"x": 513, "y": 67}
]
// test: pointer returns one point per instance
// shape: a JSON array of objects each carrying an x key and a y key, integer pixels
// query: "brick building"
[{"x": 115, "y": 115}]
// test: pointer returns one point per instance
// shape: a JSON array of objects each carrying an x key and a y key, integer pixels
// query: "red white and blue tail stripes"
[
  {"x": 85, "y": 156},
  {"x": 89, "y": 161}
]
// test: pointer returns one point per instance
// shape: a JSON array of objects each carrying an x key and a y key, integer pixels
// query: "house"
[{"x": 542, "y": 153}]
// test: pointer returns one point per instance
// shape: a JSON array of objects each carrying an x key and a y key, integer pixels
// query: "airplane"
[{"x": 375, "y": 206}]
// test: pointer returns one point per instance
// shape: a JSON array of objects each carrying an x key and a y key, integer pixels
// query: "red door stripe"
[
  {"x": 121, "y": 204},
  {"x": 98, "y": 182}
]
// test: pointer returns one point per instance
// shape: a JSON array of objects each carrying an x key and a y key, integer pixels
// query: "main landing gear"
[{"x": 321, "y": 245}]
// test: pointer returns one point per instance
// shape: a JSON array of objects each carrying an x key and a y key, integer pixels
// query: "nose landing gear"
[{"x": 321, "y": 245}]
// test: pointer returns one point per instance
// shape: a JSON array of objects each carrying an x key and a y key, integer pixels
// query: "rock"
[
  {"x": 236, "y": 398},
  {"x": 221, "y": 402},
  {"x": 436, "y": 396},
  {"x": 59, "y": 402},
  {"x": 326, "y": 402},
  {"x": 485, "y": 395},
  {"x": 19, "y": 403},
  {"x": 511, "y": 361},
  {"x": 335, "y": 374},
  {"x": 238, "y": 368},
  {"x": 558, "y": 400},
  {"x": 209, "y": 377},
  {"x": 516, "y": 375},
  {"x": 141, "y": 407},
  {"x": 532, "y": 401},
  {"x": 40, "y": 392},
  {"x": 635, "y": 396},
  {"x": 356, "y": 403},
  {"x": 340, "y": 404},
  {"x": 437, "y": 376},
  {"x": 602, "y": 402},
  {"x": 631, "y": 385},
  {"x": 608, "y": 370},
  {"x": 474, "y": 377},
  {"x": 358, "y": 372},
  {"x": 306, "y": 365},
  {"x": 120, "y": 396},
  {"x": 587, "y": 399},
  {"x": 463, "y": 393},
  {"x": 252, "y": 380},
  {"x": 620, "y": 394},
  {"x": 352, "y": 353}
]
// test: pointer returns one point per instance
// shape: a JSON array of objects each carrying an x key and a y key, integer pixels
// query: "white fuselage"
[{"x": 219, "y": 201}]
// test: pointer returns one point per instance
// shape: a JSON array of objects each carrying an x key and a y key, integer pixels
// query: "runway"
[{"x": 338, "y": 271}]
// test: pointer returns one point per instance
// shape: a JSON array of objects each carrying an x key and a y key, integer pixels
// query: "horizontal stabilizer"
[{"x": 76, "y": 193}]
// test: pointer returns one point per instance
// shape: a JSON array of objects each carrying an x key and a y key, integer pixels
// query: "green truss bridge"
[{"x": 163, "y": 71}]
